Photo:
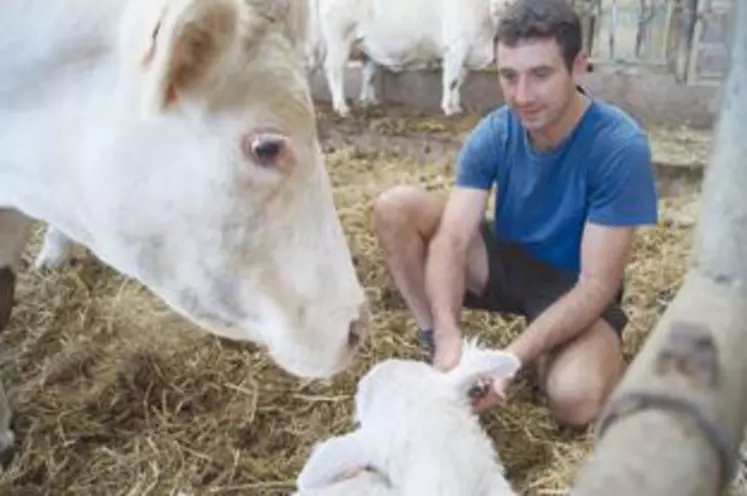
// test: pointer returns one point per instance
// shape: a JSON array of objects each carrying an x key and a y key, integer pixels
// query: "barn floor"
[{"x": 114, "y": 394}]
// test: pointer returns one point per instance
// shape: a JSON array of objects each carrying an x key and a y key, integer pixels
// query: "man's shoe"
[{"x": 428, "y": 343}]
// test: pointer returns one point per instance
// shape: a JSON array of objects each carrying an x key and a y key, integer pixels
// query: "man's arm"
[
  {"x": 622, "y": 196},
  {"x": 446, "y": 268},
  {"x": 446, "y": 263},
  {"x": 605, "y": 251}
]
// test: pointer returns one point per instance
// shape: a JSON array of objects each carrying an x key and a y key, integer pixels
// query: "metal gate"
[{"x": 688, "y": 38}]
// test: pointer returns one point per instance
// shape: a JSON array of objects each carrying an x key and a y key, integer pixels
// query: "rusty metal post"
[
  {"x": 588, "y": 11},
  {"x": 689, "y": 17},
  {"x": 674, "y": 424}
]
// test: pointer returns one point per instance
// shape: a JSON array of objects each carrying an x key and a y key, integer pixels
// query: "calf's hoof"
[
  {"x": 52, "y": 257},
  {"x": 7, "y": 440},
  {"x": 7, "y": 292}
]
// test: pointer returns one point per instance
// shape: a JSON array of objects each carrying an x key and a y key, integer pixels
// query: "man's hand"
[{"x": 492, "y": 396}]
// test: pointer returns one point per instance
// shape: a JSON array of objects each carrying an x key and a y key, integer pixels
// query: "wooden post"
[{"x": 674, "y": 424}]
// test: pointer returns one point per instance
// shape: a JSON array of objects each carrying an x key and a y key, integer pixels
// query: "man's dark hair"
[{"x": 525, "y": 20}]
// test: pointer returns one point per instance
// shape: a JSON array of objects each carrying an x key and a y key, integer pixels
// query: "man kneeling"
[{"x": 573, "y": 177}]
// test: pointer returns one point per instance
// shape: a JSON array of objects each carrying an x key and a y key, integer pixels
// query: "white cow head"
[{"x": 207, "y": 182}]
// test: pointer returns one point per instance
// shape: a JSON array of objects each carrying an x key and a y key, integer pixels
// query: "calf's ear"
[
  {"x": 185, "y": 42},
  {"x": 478, "y": 363},
  {"x": 335, "y": 459}
]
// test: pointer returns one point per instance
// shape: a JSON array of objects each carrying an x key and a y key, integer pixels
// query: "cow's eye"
[{"x": 269, "y": 149}]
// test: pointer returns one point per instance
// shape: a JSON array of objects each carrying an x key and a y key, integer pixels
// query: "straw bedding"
[{"x": 114, "y": 394}]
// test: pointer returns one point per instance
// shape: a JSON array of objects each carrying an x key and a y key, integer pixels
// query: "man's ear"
[{"x": 581, "y": 65}]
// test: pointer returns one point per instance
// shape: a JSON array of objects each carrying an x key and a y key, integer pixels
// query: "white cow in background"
[
  {"x": 405, "y": 35},
  {"x": 176, "y": 139},
  {"x": 313, "y": 48}
]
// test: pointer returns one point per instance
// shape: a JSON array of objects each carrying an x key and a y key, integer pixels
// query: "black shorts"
[{"x": 521, "y": 284}]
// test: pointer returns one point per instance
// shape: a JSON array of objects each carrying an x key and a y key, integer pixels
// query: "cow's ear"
[{"x": 184, "y": 44}]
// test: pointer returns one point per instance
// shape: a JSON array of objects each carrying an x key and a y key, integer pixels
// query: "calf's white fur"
[{"x": 417, "y": 434}]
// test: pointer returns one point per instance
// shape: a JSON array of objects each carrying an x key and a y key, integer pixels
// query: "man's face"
[{"x": 535, "y": 81}]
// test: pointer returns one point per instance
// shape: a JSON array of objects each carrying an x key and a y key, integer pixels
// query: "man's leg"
[
  {"x": 579, "y": 376},
  {"x": 406, "y": 219}
]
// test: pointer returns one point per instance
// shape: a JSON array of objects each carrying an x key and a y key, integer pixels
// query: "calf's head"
[
  {"x": 215, "y": 193},
  {"x": 397, "y": 391}
]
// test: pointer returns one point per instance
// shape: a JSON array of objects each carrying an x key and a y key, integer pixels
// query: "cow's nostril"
[{"x": 355, "y": 333}]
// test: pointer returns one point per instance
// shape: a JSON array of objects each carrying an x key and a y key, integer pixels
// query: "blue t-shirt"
[{"x": 602, "y": 173}]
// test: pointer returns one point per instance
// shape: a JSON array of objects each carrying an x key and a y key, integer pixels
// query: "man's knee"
[
  {"x": 404, "y": 208},
  {"x": 574, "y": 401},
  {"x": 391, "y": 208},
  {"x": 578, "y": 384}
]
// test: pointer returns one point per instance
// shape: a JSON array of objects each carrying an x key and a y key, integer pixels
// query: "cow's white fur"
[
  {"x": 406, "y": 35},
  {"x": 122, "y": 128},
  {"x": 417, "y": 434}
]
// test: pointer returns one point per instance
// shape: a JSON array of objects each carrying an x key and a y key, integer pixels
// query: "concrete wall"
[{"x": 656, "y": 99}]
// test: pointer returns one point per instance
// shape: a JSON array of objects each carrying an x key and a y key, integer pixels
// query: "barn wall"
[
  {"x": 640, "y": 78},
  {"x": 655, "y": 99}
]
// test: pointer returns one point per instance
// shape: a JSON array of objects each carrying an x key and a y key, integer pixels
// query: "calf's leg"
[
  {"x": 15, "y": 229},
  {"x": 57, "y": 250}
]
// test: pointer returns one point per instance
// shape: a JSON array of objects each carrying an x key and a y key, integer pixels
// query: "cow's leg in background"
[
  {"x": 15, "y": 230},
  {"x": 368, "y": 89},
  {"x": 56, "y": 251},
  {"x": 453, "y": 77},
  {"x": 338, "y": 36}
]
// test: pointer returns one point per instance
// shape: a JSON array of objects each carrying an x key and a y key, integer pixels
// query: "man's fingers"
[
  {"x": 480, "y": 389},
  {"x": 486, "y": 400},
  {"x": 485, "y": 403}
]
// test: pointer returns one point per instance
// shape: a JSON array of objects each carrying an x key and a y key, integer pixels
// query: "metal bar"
[
  {"x": 684, "y": 52},
  {"x": 613, "y": 29}
]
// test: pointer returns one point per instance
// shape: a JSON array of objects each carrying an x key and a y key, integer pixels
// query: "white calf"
[
  {"x": 408, "y": 35},
  {"x": 176, "y": 139},
  {"x": 417, "y": 434}
]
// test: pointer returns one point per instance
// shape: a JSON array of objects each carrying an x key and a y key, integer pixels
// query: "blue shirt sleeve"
[
  {"x": 479, "y": 158},
  {"x": 623, "y": 188}
]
